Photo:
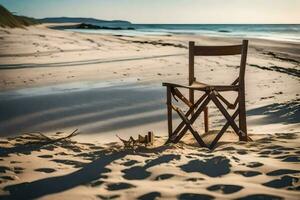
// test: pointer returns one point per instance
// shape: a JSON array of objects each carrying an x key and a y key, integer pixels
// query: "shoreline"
[{"x": 139, "y": 30}]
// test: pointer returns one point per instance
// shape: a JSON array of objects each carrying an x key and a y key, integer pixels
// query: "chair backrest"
[{"x": 218, "y": 51}]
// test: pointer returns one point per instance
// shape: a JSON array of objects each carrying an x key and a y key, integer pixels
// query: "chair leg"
[
  {"x": 206, "y": 119},
  {"x": 191, "y": 98},
  {"x": 169, "y": 110},
  {"x": 242, "y": 117}
]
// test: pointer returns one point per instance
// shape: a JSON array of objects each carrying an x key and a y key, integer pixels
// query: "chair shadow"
[{"x": 285, "y": 113}]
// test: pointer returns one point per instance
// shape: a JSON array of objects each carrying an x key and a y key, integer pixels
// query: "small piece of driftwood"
[
  {"x": 142, "y": 140},
  {"x": 39, "y": 138}
]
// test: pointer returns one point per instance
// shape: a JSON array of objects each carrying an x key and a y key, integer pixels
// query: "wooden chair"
[{"x": 211, "y": 93}]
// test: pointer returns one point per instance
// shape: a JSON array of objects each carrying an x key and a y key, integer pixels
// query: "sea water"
[{"x": 280, "y": 32}]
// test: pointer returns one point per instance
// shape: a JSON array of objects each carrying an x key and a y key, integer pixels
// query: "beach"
[{"x": 54, "y": 81}]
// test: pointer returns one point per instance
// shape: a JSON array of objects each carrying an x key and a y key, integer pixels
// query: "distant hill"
[
  {"x": 7, "y": 19},
  {"x": 27, "y": 21},
  {"x": 81, "y": 20}
]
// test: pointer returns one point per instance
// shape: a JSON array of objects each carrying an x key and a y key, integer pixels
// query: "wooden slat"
[
  {"x": 189, "y": 112},
  {"x": 192, "y": 120},
  {"x": 178, "y": 94},
  {"x": 242, "y": 99},
  {"x": 236, "y": 81},
  {"x": 222, "y": 131},
  {"x": 228, "y": 104},
  {"x": 169, "y": 110},
  {"x": 225, "y": 113},
  {"x": 191, "y": 63},
  {"x": 190, "y": 127},
  {"x": 206, "y": 127},
  {"x": 217, "y": 50},
  {"x": 191, "y": 71}
]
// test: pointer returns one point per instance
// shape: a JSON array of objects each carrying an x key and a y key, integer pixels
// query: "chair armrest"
[{"x": 174, "y": 85}]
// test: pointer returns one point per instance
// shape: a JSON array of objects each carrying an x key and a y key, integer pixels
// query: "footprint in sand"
[
  {"x": 248, "y": 173},
  {"x": 96, "y": 147},
  {"x": 149, "y": 196},
  {"x": 291, "y": 159},
  {"x": 254, "y": 164},
  {"x": 284, "y": 181},
  {"x": 4, "y": 142},
  {"x": 119, "y": 186},
  {"x": 194, "y": 196},
  {"x": 225, "y": 189},
  {"x": 228, "y": 149},
  {"x": 45, "y": 170},
  {"x": 213, "y": 167},
  {"x": 278, "y": 147},
  {"x": 14, "y": 162},
  {"x": 18, "y": 170},
  {"x": 286, "y": 136},
  {"x": 295, "y": 188},
  {"x": 202, "y": 154},
  {"x": 8, "y": 178},
  {"x": 116, "y": 196},
  {"x": 260, "y": 197},
  {"x": 267, "y": 153},
  {"x": 164, "y": 177},
  {"x": 97, "y": 183},
  {"x": 3, "y": 169},
  {"x": 242, "y": 151},
  {"x": 235, "y": 159},
  {"x": 130, "y": 163},
  {"x": 282, "y": 172},
  {"x": 138, "y": 172},
  {"x": 195, "y": 179},
  {"x": 61, "y": 154},
  {"x": 45, "y": 156}
]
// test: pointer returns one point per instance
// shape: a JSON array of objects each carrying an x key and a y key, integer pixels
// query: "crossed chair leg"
[{"x": 194, "y": 112}]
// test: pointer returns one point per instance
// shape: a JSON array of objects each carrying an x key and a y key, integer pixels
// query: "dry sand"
[
  {"x": 265, "y": 169},
  {"x": 38, "y": 57}
]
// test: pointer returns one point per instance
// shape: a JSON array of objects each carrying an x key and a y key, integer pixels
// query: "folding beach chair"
[{"x": 212, "y": 93}]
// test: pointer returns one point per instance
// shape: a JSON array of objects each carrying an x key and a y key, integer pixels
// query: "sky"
[{"x": 165, "y": 11}]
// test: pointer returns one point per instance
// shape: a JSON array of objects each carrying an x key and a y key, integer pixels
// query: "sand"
[{"x": 55, "y": 80}]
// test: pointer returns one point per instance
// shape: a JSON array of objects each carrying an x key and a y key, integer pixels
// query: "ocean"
[{"x": 281, "y": 32}]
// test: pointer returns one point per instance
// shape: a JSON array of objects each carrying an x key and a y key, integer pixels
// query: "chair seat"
[{"x": 204, "y": 87}]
